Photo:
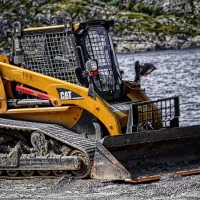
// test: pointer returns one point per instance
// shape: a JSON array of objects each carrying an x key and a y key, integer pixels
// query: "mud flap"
[{"x": 106, "y": 166}]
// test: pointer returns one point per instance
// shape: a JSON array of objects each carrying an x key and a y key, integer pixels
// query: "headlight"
[{"x": 92, "y": 67}]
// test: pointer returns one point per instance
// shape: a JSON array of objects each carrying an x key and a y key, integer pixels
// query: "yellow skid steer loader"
[{"x": 64, "y": 108}]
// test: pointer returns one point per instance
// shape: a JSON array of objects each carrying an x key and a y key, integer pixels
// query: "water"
[{"x": 177, "y": 74}]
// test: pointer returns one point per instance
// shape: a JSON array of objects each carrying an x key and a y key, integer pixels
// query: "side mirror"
[
  {"x": 143, "y": 70},
  {"x": 146, "y": 69}
]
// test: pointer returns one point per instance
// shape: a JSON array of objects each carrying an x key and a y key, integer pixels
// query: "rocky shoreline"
[{"x": 152, "y": 42}]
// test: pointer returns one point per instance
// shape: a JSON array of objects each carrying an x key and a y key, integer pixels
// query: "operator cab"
[
  {"x": 64, "y": 52},
  {"x": 95, "y": 44}
]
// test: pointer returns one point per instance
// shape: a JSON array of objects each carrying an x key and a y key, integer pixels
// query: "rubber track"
[{"x": 54, "y": 131}]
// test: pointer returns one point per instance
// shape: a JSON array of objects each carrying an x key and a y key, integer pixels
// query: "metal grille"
[
  {"x": 98, "y": 47},
  {"x": 163, "y": 113},
  {"x": 50, "y": 52}
]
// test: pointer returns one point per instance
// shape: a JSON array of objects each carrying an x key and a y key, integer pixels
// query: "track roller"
[
  {"x": 59, "y": 173},
  {"x": 44, "y": 172},
  {"x": 12, "y": 173},
  {"x": 86, "y": 166},
  {"x": 27, "y": 173}
]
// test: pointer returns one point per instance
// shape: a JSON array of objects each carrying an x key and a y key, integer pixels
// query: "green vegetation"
[
  {"x": 153, "y": 10},
  {"x": 128, "y": 17}
]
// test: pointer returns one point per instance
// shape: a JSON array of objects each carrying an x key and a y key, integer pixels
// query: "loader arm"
[{"x": 52, "y": 86}]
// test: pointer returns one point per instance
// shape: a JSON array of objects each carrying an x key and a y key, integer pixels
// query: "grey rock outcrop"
[
  {"x": 133, "y": 31},
  {"x": 151, "y": 42},
  {"x": 175, "y": 6}
]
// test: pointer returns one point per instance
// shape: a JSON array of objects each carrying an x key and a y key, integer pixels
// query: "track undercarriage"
[{"x": 28, "y": 148}]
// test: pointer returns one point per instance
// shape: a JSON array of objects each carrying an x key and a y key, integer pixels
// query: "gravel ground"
[{"x": 169, "y": 187}]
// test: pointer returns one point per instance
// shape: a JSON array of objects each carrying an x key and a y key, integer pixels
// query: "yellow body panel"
[
  {"x": 3, "y": 103},
  {"x": 66, "y": 116},
  {"x": 49, "y": 85},
  {"x": 113, "y": 121},
  {"x": 4, "y": 59},
  {"x": 75, "y": 27}
]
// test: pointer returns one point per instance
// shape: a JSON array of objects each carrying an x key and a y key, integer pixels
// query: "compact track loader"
[{"x": 64, "y": 108}]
